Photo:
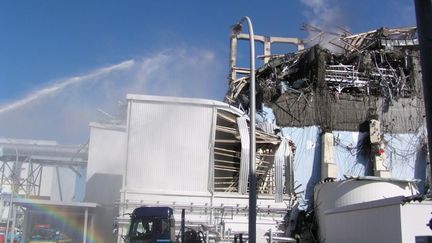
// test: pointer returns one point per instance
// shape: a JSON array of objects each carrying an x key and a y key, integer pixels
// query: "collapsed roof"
[{"x": 375, "y": 76}]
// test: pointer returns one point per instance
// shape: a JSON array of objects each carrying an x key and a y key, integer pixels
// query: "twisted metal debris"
[{"x": 374, "y": 74}]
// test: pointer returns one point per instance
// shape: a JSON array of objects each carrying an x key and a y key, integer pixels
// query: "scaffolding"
[{"x": 34, "y": 155}]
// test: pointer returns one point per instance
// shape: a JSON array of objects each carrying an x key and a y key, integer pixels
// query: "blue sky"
[{"x": 149, "y": 47}]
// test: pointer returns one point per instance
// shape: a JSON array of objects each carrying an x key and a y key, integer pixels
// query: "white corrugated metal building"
[{"x": 185, "y": 153}]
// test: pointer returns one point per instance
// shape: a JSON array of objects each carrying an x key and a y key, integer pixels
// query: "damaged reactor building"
[
  {"x": 374, "y": 75},
  {"x": 365, "y": 89}
]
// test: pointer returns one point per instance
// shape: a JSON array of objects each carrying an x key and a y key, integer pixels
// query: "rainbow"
[{"x": 62, "y": 217}]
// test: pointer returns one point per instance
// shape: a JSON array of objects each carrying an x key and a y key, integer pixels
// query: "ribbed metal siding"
[
  {"x": 245, "y": 153},
  {"x": 212, "y": 155},
  {"x": 168, "y": 147},
  {"x": 281, "y": 159}
]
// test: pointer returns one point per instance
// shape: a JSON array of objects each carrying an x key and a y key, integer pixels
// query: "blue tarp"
[{"x": 405, "y": 157}]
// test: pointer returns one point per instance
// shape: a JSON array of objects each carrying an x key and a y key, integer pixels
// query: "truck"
[{"x": 157, "y": 225}]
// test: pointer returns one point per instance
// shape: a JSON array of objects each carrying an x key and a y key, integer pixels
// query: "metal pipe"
[
  {"x": 40, "y": 180},
  {"x": 252, "y": 140},
  {"x": 424, "y": 29},
  {"x": 183, "y": 222},
  {"x": 59, "y": 183}
]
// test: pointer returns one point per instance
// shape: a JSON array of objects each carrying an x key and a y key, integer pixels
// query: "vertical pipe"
[
  {"x": 85, "y": 225},
  {"x": 59, "y": 183},
  {"x": 252, "y": 147},
  {"x": 424, "y": 29},
  {"x": 40, "y": 179},
  {"x": 183, "y": 225},
  {"x": 30, "y": 175},
  {"x": 252, "y": 158}
]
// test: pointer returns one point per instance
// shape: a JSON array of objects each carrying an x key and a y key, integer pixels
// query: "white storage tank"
[{"x": 369, "y": 209}]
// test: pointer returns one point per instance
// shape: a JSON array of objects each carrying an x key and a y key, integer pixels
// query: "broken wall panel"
[
  {"x": 348, "y": 113},
  {"x": 231, "y": 167}
]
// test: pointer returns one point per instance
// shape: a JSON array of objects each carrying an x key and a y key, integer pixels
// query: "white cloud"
[{"x": 63, "y": 110}]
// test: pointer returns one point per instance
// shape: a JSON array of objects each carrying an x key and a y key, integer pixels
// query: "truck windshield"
[{"x": 148, "y": 228}]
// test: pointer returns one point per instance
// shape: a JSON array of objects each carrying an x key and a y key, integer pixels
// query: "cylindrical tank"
[{"x": 333, "y": 195}]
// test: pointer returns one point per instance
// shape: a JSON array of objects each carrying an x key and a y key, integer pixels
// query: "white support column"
[
  {"x": 377, "y": 150},
  {"x": 267, "y": 49},
  {"x": 85, "y": 225},
  {"x": 233, "y": 58},
  {"x": 328, "y": 167}
]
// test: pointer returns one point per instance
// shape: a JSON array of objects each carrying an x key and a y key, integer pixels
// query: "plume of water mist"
[
  {"x": 324, "y": 12},
  {"x": 61, "y": 85},
  {"x": 326, "y": 15},
  {"x": 65, "y": 112}
]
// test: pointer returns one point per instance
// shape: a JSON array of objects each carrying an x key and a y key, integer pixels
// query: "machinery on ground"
[{"x": 157, "y": 224}]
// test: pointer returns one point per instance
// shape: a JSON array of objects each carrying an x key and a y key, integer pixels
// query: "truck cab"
[{"x": 151, "y": 225}]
